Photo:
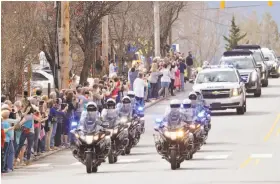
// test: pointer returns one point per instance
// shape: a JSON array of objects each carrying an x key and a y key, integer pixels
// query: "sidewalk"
[{"x": 147, "y": 105}]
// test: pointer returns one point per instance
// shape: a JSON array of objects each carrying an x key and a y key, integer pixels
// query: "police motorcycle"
[
  {"x": 92, "y": 142},
  {"x": 138, "y": 115},
  {"x": 173, "y": 139},
  {"x": 197, "y": 125},
  {"x": 204, "y": 115},
  {"x": 125, "y": 111},
  {"x": 117, "y": 128}
]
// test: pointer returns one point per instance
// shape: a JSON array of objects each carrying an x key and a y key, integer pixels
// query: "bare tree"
[
  {"x": 119, "y": 23},
  {"x": 87, "y": 29},
  {"x": 169, "y": 13},
  {"x": 19, "y": 43}
]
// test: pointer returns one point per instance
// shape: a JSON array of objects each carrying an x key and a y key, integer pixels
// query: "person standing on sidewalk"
[
  {"x": 189, "y": 61},
  {"x": 173, "y": 69},
  {"x": 139, "y": 89},
  {"x": 165, "y": 81},
  {"x": 182, "y": 68}
]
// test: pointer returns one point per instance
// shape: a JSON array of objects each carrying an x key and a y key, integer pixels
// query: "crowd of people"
[{"x": 41, "y": 123}]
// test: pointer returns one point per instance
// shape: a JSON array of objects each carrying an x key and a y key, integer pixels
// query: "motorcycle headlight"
[
  {"x": 128, "y": 124},
  {"x": 254, "y": 76},
  {"x": 116, "y": 131},
  {"x": 123, "y": 120},
  {"x": 96, "y": 137},
  {"x": 89, "y": 139},
  {"x": 140, "y": 108},
  {"x": 274, "y": 65},
  {"x": 180, "y": 133}
]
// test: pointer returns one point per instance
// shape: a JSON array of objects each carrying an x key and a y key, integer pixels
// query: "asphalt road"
[{"x": 240, "y": 149}]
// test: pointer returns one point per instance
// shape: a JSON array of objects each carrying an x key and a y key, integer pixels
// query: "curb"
[{"x": 38, "y": 158}]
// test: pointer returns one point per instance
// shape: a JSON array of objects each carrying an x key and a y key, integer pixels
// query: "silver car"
[{"x": 222, "y": 88}]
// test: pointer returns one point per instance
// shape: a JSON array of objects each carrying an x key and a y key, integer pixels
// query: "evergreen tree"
[{"x": 234, "y": 36}]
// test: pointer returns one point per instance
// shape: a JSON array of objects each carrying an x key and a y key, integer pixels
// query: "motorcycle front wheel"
[
  {"x": 173, "y": 161},
  {"x": 111, "y": 157},
  {"x": 89, "y": 163}
]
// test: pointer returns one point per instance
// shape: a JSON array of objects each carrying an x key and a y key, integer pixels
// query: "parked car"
[{"x": 41, "y": 79}]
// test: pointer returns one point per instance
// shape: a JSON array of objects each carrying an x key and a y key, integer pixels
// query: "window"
[
  {"x": 269, "y": 56},
  {"x": 38, "y": 77},
  {"x": 217, "y": 76},
  {"x": 238, "y": 63},
  {"x": 258, "y": 57}
]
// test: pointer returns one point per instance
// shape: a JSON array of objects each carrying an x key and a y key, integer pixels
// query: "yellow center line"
[
  {"x": 278, "y": 132},
  {"x": 272, "y": 128},
  {"x": 246, "y": 162}
]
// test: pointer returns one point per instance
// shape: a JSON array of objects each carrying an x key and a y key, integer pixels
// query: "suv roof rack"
[
  {"x": 253, "y": 47},
  {"x": 238, "y": 52}
]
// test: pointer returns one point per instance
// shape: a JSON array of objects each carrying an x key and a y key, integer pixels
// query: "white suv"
[{"x": 222, "y": 88}]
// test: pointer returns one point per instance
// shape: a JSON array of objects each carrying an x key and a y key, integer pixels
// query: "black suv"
[
  {"x": 259, "y": 57},
  {"x": 247, "y": 67}
]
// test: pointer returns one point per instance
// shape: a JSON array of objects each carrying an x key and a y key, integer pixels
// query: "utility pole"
[
  {"x": 105, "y": 40},
  {"x": 157, "y": 28},
  {"x": 65, "y": 19},
  {"x": 58, "y": 43}
]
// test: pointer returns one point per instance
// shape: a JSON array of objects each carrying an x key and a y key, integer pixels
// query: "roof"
[
  {"x": 238, "y": 53},
  {"x": 251, "y": 47},
  {"x": 216, "y": 69}
]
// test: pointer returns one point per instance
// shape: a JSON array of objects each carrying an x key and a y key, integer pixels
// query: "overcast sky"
[{"x": 263, "y": 8}]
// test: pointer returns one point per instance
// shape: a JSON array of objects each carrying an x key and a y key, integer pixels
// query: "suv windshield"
[
  {"x": 216, "y": 76},
  {"x": 238, "y": 62},
  {"x": 258, "y": 57}
]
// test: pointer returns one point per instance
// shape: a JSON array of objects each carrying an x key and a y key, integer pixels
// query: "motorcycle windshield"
[
  {"x": 110, "y": 124},
  {"x": 174, "y": 120}
]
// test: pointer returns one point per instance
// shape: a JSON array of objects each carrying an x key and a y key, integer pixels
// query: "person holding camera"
[{"x": 27, "y": 124}]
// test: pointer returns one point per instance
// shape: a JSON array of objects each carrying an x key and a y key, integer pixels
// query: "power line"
[
  {"x": 210, "y": 20},
  {"x": 233, "y": 7}
]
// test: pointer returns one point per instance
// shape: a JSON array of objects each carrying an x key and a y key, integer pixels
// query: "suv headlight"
[{"x": 236, "y": 91}]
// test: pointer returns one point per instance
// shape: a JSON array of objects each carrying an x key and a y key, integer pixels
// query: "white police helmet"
[
  {"x": 91, "y": 106},
  {"x": 187, "y": 103},
  {"x": 175, "y": 103},
  {"x": 126, "y": 100},
  {"x": 192, "y": 96},
  {"x": 111, "y": 103},
  {"x": 131, "y": 94}
]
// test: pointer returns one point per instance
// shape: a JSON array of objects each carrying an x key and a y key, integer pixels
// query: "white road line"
[
  {"x": 216, "y": 157},
  {"x": 38, "y": 165},
  {"x": 261, "y": 156},
  {"x": 76, "y": 163},
  {"x": 128, "y": 160}
]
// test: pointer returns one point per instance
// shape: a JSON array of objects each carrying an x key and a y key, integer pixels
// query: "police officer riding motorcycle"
[
  {"x": 173, "y": 140},
  {"x": 91, "y": 146},
  {"x": 138, "y": 113},
  {"x": 197, "y": 127},
  {"x": 118, "y": 131},
  {"x": 204, "y": 111}
]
